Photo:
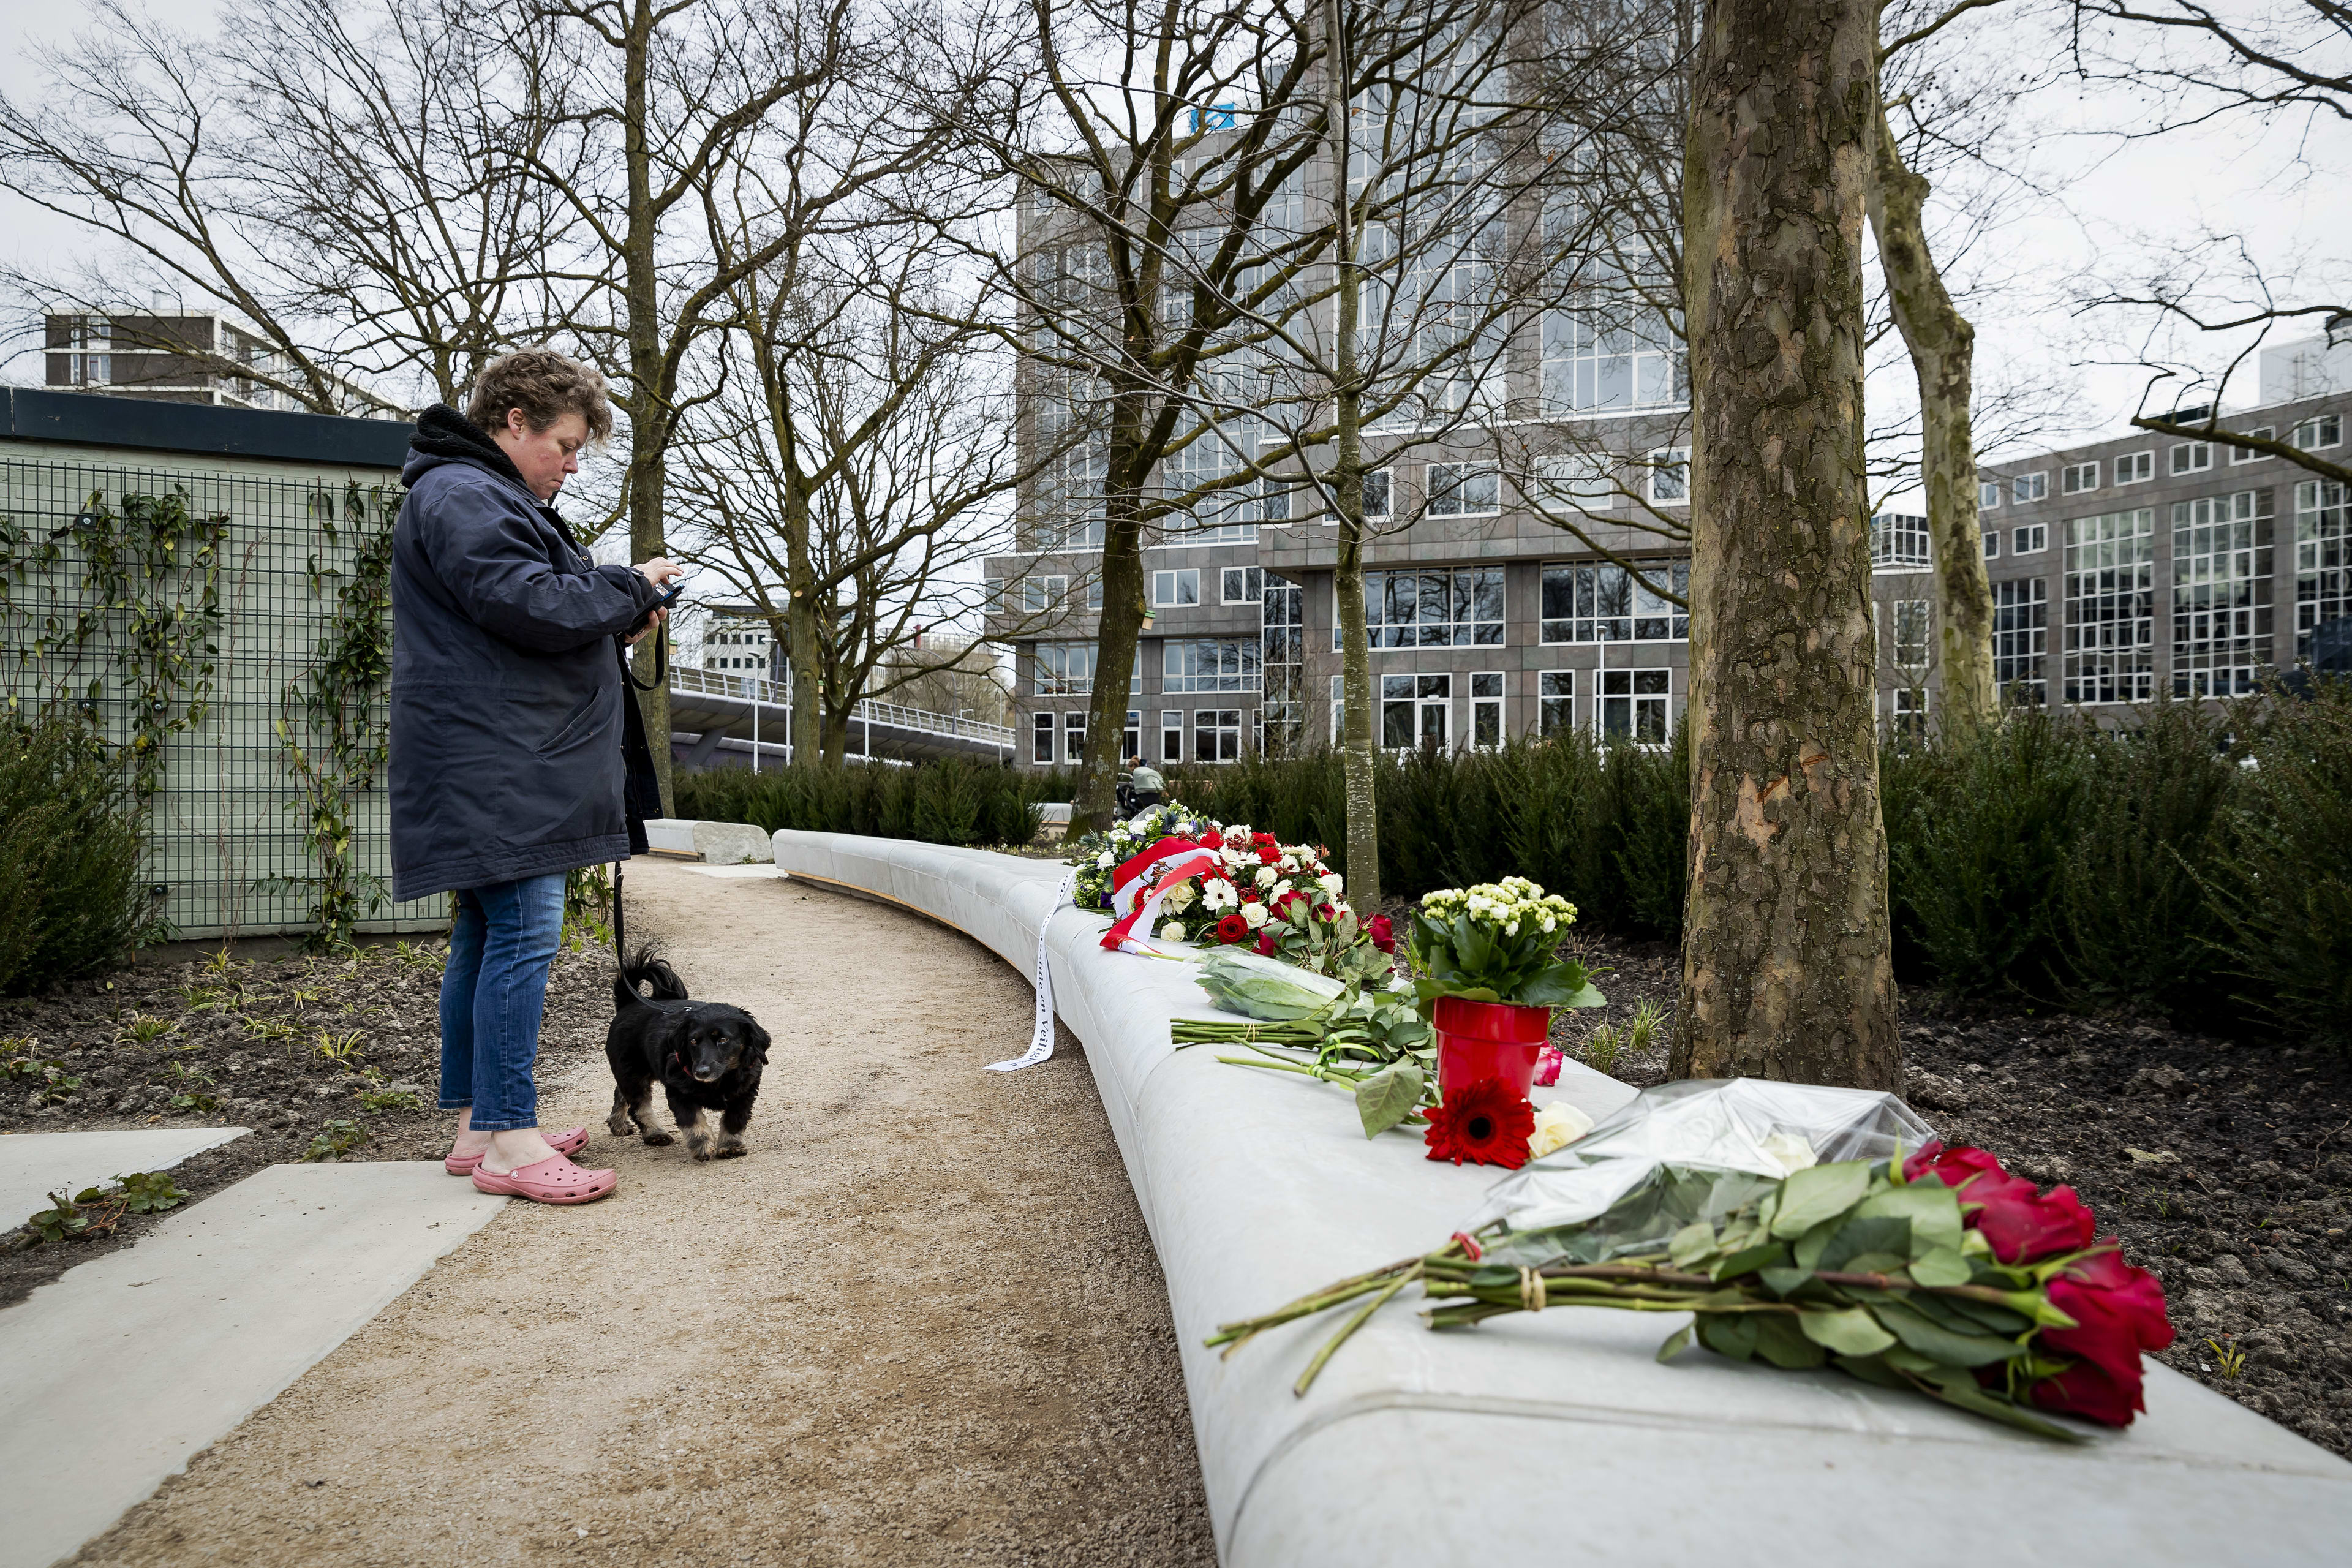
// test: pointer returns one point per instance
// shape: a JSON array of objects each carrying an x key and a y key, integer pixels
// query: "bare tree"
[{"x": 1787, "y": 963}]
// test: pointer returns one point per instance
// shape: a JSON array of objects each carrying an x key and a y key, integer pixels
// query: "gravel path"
[{"x": 922, "y": 1322}]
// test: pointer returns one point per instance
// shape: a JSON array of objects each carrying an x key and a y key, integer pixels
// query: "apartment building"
[
  {"x": 2134, "y": 567},
  {"x": 170, "y": 357}
]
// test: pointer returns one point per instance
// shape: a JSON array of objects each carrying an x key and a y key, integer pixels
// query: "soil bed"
[
  {"x": 2224, "y": 1166},
  {"x": 284, "y": 1045}
]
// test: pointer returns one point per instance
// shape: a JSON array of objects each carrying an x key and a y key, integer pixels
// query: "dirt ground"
[{"x": 921, "y": 1323}]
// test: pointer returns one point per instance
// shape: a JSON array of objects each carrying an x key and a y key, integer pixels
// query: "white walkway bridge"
[{"x": 743, "y": 716}]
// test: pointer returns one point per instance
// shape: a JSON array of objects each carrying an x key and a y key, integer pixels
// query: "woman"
[{"x": 514, "y": 743}]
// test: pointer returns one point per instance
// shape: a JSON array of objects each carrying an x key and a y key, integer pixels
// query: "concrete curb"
[{"x": 1539, "y": 1436}]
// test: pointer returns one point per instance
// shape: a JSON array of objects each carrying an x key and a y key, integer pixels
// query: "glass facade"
[
  {"x": 1605, "y": 603},
  {"x": 2220, "y": 594},
  {"x": 2111, "y": 607}
]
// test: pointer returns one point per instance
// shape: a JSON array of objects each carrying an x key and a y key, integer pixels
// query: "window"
[
  {"x": 1555, "y": 701},
  {"x": 1460, "y": 490},
  {"x": 1208, "y": 665},
  {"x": 2030, "y": 539},
  {"x": 2248, "y": 453},
  {"x": 1610, "y": 357},
  {"x": 1911, "y": 713},
  {"x": 1039, "y": 595},
  {"x": 1239, "y": 585},
  {"x": 1376, "y": 493},
  {"x": 1987, "y": 494},
  {"x": 2133, "y": 468},
  {"x": 1338, "y": 711},
  {"x": 1992, "y": 544},
  {"x": 2192, "y": 457},
  {"x": 1899, "y": 542},
  {"x": 1633, "y": 706},
  {"x": 2076, "y": 477},
  {"x": 2020, "y": 638},
  {"x": 1443, "y": 608},
  {"x": 1216, "y": 734},
  {"x": 2322, "y": 565},
  {"x": 2220, "y": 593},
  {"x": 1131, "y": 740},
  {"x": 1073, "y": 737},
  {"x": 1670, "y": 476},
  {"x": 1042, "y": 752},
  {"x": 1487, "y": 711},
  {"x": 1605, "y": 603},
  {"x": 2029, "y": 487},
  {"x": 1913, "y": 635},
  {"x": 2328, "y": 430},
  {"x": 2111, "y": 607},
  {"x": 1580, "y": 481},
  {"x": 1283, "y": 641},
  {"x": 1172, "y": 734},
  {"x": 1414, "y": 710},
  {"x": 1175, "y": 588},
  {"x": 1094, "y": 594},
  {"x": 1064, "y": 669}
]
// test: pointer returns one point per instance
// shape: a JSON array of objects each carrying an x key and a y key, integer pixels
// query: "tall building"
[
  {"x": 2135, "y": 567},
  {"x": 167, "y": 357},
  {"x": 736, "y": 640}
]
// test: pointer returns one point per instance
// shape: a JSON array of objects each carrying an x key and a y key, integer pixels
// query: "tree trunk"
[
  {"x": 1942, "y": 353},
  {"x": 1359, "y": 758},
  {"x": 808, "y": 667},
  {"x": 648, "y": 420},
  {"x": 1785, "y": 967},
  {"x": 1120, "y": 626}
]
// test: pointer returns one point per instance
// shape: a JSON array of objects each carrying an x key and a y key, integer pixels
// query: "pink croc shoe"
[
  {"x": 566, "y": 1143},
  {"x": 554, "y": 1180}
]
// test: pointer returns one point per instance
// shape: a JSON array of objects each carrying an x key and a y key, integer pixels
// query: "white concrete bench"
[
  {"x": 717, "y": 843},
  {"x": 1554, "y": 1436}
]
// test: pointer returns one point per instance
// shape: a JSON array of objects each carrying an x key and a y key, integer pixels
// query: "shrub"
[
  {"x": 71, "y": 899},
  {"x": 948, "y": 802}
]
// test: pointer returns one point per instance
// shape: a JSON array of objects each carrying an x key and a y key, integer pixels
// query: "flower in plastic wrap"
[
  {"x": 1172, "y": 932},
  {"x": 1790, "y": 1150},
  {"x": 1557, "y": 1124}
]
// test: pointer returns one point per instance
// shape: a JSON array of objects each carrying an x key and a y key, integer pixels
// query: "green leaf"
[
  {"x": 1691, "y": 1243},
  {"x": 1784, "y": 1282},
  {"x": 1888, "y": 1240},
  {"x": 1931, "y": 1207},
  {"x": 1940, "y": 1265},
  {"x": 1849, "y": 1332},
  {"x": 1730, "y": 1334},
  {"x": 1818, "y": 1193},
  {"x": 1814, "y": 1242},
  {"x": 1920, "y": 1334},
  {"x": 1783, "y": 1344},
  {"x": 1958, "y": 1388},
  {"x": 1748, "y": 1259},
  {"x": 1873, "y": 1369},
  {"x": 1676, "y": 1342},
  {"x": 1387, "y": 1097}
]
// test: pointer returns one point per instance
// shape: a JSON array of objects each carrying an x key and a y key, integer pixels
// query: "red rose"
[
  {"x": 1232, "y": 929},
  {"x": 1548, "y": 1066},
  {"x": 1326, "y": 913},
  {"x": 1949, "y": 1166},
  {"x": 1484, "y": 1123},
  {"x": 2119, "y": 1313},
  {"x": 1265, "y": 944},
  {"x": 2022, "y": 1224},
  {"x": 1382, "y": 936}
]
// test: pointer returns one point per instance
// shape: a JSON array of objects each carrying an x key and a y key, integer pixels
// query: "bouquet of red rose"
[{"x": 1936, "y": 1271}]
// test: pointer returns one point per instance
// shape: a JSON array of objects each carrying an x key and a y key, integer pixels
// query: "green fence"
[{"x": 227, "y": 631}]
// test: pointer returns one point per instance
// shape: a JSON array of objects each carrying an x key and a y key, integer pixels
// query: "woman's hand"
[{"x": 660, "y": 571}]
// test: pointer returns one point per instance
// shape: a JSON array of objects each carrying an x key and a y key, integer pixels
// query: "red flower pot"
[{"x": 1487, "y": 1039}]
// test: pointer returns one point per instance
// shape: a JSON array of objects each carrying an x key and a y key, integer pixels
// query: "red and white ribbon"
[{"x": 1139, "y": 888}]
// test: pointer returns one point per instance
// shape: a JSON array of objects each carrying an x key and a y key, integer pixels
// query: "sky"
[{"x": 2101, "y": 207}]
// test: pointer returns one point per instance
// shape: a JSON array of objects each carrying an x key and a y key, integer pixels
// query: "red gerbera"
[
  {"x": 1485, "y": 1123},
  {"x": 1233, "y": 928}
]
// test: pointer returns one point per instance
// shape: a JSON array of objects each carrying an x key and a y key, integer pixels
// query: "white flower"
[
  {"x": 1789, "y": 1152},
  {"x": 1104, "y": 860},
  {"x": 1280, "y": 888},
  {"x": 1266, "y": 875},
  {"x": 1172, "y": 932},
  {"x": 1254, "y": 914},
  {"x": 1332, "y": 882},
  {"x": 1557, "y": 1124},
  {"x": 1219, "y": 894},
  {"x": 1179, "y": 897}
]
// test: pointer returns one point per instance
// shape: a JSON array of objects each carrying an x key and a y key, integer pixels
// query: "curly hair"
[{"x": 545, "y": 385}]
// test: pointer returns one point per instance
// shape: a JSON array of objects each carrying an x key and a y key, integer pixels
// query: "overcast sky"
[{"x": 2108, "y": 203}]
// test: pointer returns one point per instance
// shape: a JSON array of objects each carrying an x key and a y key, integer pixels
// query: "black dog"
[{"x": 707, "y": 1055}]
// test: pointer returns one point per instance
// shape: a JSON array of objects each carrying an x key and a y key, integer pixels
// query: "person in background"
[
  {"x": 1145, "y": 784},
  {"x": 517, "y": 752}
]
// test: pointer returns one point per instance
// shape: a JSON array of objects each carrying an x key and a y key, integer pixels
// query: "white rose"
[
  {"x": 1179, "y": 896},
  {"x": 1281, "y": 887},
  {"x": 1789, "y": 1152},
  {"x": 1332, "y": 882},
  {"x": 1266, "y": 875},
  {"x": 1172, "y": 932},
  {"x": 1104, "y": 860},
  {"x": 1254, "y": 914},
  {"x": 1557, "y": 1124}
]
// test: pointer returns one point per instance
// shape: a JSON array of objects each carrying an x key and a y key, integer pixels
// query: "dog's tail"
[{"x": 641, "y": 968}]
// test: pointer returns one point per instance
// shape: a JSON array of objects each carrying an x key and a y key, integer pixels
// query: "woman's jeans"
[{"x": 493, "y": 995}]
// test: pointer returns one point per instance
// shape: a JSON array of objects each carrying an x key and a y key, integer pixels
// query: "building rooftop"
[{"x": 88, "y": 419}]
